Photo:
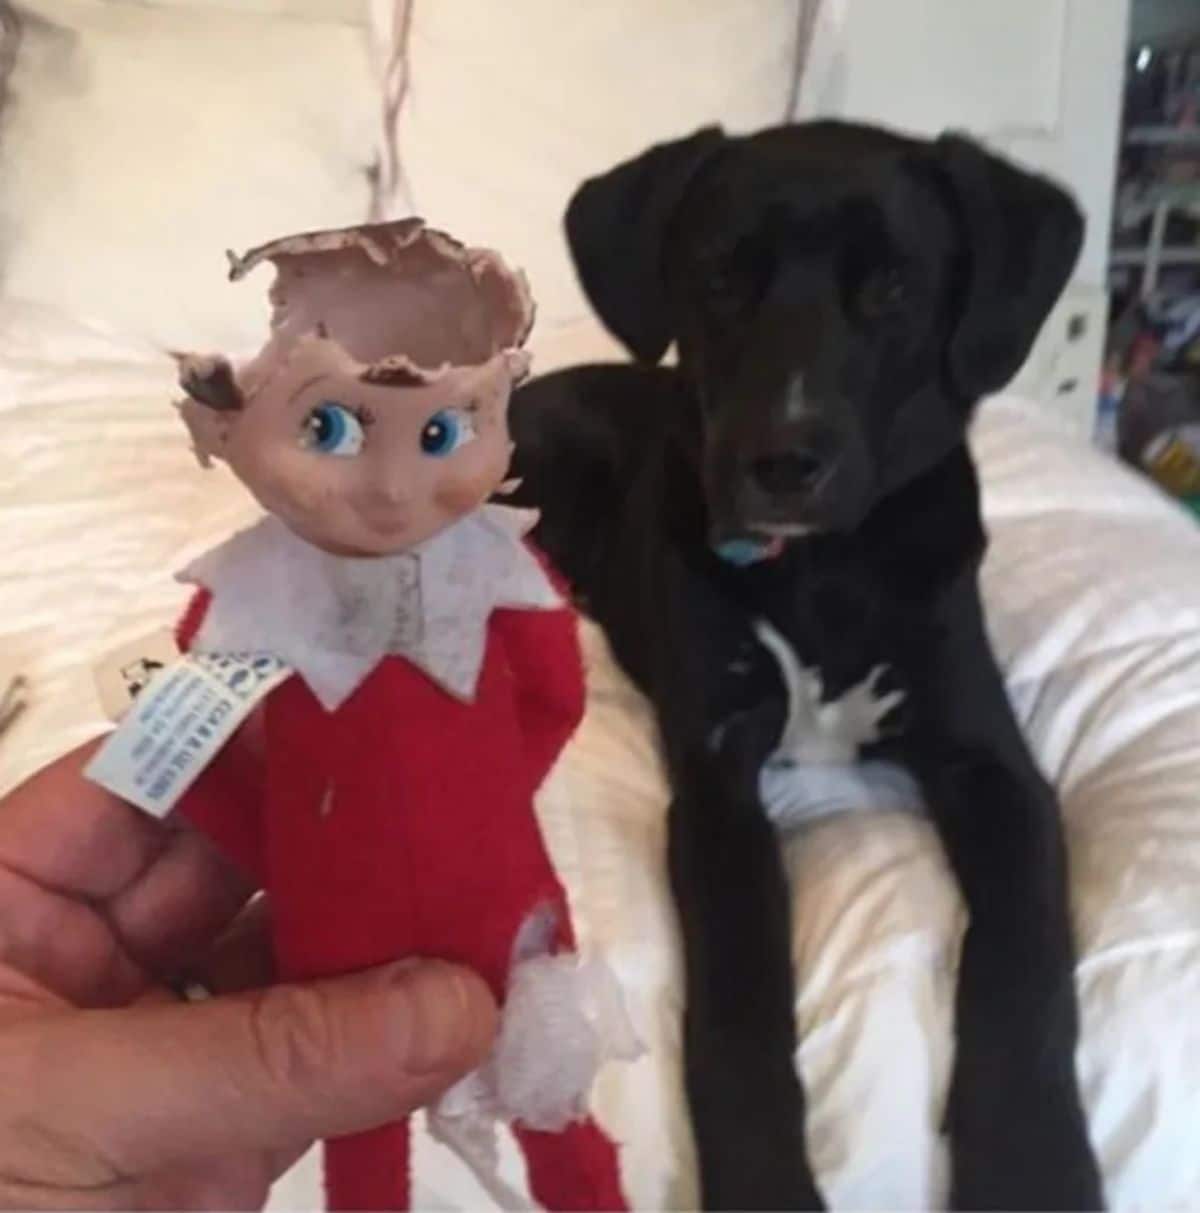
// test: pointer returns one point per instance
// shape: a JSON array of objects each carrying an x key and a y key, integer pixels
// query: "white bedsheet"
[{"x": 1093, "y": 587}]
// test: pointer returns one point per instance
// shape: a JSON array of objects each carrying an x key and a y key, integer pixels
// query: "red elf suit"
[{"x": 393, "y": 813}]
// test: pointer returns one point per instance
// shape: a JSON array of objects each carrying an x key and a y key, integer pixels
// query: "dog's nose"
[{"x": 789, "y": 473}]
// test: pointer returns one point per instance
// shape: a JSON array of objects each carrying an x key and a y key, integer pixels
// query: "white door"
[{"x": 1038, "y": 79}]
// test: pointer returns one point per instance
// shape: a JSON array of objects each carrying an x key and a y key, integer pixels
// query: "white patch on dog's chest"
[
  {"x": 815, "y": 769},
  {"x": 817, "y": 732}
]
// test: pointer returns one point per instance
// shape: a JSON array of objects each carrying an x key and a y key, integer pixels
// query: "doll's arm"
[
  {"x": 542, "y": 650},
  {"x": 225, "y": 802}
]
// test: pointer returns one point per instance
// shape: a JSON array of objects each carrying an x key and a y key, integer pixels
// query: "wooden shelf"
[
  {"x": 1167, "y": 256},
  {"x": 1164, "y": 136}
]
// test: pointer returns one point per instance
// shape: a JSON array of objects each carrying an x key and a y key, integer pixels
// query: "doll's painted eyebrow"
[
  {"x": 392, "y": 375},
  {"x": 303, "y": 387}
]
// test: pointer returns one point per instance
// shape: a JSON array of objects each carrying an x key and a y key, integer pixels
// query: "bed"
[{"x": 1092, "y": 587}]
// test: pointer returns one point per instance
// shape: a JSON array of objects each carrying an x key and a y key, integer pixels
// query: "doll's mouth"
[
  {"x": 384, "y": 517},
  {"x": 387, "y": 528}
]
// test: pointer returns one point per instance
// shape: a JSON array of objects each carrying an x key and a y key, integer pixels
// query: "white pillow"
[
  {"x": 140, "y": 142},
  {"x": 510, "y": 106}
]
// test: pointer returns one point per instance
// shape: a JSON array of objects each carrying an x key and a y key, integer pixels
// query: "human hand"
[{"x": 116, "y": 1094}]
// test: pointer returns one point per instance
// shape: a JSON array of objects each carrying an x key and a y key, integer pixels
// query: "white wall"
[{"x": 1040, "y": 79}]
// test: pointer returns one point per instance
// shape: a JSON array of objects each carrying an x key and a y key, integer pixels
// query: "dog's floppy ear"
[
  {"x": 1022, "y": 234},
  {"x": 616, "y": 225}
]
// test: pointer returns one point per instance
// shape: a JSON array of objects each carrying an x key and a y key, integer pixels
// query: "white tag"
[
  {"x": 179, "y": 722},
  {"x": 124, "y": 673}
]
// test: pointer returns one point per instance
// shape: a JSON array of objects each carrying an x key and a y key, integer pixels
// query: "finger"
[
  {"x": 156, "y": 996},
  {"x": 164, "y": 888},
  {"x": 22, "y": 997},
  {"x": 284, "y": 1159},
  {"x": 53, "y": 949},
  {"x": 240, "y": 1181},
  {"x": 182, "y": 901},
  {"x": 154, "y": 1086},
  {"x": 243, "y": 957},
  {"x": 72, "y": 836},
  {"x": 62, "y": 945},
  {"x": 94, "y": 958},
  {"x": 231, "y": 1182},
  {"x": 16, "y": 1194},
  {"x": 171, "y": 914}
]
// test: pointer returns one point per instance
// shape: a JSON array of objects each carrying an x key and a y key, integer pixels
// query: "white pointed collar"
[{"x": 334, "y": 618}]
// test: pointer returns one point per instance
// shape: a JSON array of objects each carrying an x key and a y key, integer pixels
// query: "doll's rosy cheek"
[
  {"x": 282, "y": 475},
  {"x": 469, "y": 481},
  {"x": 457, "y": 493}
]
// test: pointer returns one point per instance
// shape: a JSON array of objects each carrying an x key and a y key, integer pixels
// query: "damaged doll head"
[{"x": 376, "y": 413}]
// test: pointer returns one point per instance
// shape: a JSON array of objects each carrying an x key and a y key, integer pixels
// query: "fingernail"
[{"x": 448, "y": 1018}]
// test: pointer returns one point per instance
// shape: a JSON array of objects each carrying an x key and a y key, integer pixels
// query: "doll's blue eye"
[
  {"x": 333, "y": 429},
  {"x": 446, "y": 431}
]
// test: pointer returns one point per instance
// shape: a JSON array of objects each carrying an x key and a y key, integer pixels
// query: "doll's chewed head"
[{"x": 376, "y": 413}]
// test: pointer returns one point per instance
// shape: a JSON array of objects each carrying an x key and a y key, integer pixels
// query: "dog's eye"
[
  {"x": 722, "y": 286},
  {"x": 882, "y": 294}
]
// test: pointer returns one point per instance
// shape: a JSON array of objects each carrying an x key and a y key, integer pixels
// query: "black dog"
[{"x": 840, "y": 298}]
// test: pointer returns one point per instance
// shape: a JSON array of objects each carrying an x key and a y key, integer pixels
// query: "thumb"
[{"x": 141, "y": 1088}]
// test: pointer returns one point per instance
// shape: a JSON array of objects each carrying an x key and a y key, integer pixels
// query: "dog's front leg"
[
  {"x": 739, "y": 1037},
  {"x": 721, "y": 708},
  {"x": 1018, "y": 1133}
]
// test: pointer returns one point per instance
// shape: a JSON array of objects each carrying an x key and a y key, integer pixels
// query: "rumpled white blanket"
[{"x": 1093, "y": 590}]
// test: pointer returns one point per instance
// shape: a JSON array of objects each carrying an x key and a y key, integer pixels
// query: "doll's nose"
[{"x": 390, "y": 488}]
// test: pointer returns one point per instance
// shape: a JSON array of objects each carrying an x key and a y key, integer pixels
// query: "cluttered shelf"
[
  {"x": 1121, "y": 257},
  {"x": 1149, "y": 408},
  {"x": 1149, "y": 411},
  {"x": 1161, "y": 135}
]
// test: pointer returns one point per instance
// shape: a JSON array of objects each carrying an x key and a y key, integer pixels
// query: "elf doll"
[{"x": 429, "y": 676}]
